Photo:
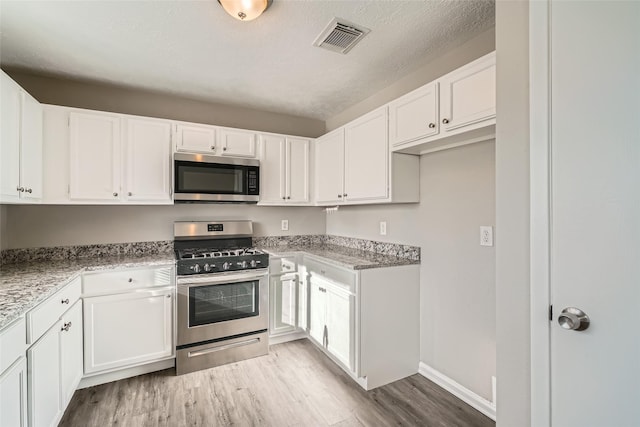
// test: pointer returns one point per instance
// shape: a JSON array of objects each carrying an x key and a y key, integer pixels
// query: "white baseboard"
[{"x": 458, "y": 390}]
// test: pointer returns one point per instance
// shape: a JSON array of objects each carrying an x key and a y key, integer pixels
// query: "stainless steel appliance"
[
  {"x": 223, "y": 292},
  {"x": 204, "y": 178}
]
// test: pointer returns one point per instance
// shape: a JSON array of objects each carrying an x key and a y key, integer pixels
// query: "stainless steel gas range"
[{"x": 223, "y": 291}]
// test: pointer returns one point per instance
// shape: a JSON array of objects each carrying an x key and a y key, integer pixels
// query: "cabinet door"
[
  {"x": 329, "y": 168},
  {"x": 414, "y": 116},
  {"x": 366, "y": 157},
  {"x": 272, "y": 170},
  {"x": 303, "y": 300},
  {"x": 196, "y": 138},
  {"x": 70, "y": 352},
  {"x": 10, "y": 139},
  {"x": 44, "y": 379},
  {"x": 317, "y": 310},
  {"x": 13, "y": 395},
  {"x": 283, "y": 303},
  {"x": 340, "y": 339},
  {"x": 297, "y": 170},
  {"x": 148, "y": 160},
  {"x": 238, "y": 143},
  {"x": 127, "y": 329},
  {"x": 31, "y": 148},
  {"x": 95, "y": 160},
  {"x": 468, "y": 95}
]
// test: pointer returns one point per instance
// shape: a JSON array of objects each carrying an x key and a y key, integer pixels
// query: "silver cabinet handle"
[
  {"x": 345, "y": 194},
  {"x": 28, "y": 190},
  {"x": 339, "y": 196},
  {"x": 573, "y": 319},
  {"x": 283, "y": 198},
  {"x": 66, "y": 327},
  {"x": 213, "y": 147},
  {"x": 224, "y": 148},
  {"x": 288, "y": 197},
  {"x": 130, "y": 193},
  {"x": 20, "y": 189},
  {"x": 445, "y": 121},
  {"x": 115, "y": 194},
  {"x": 65, "y": 301},
  {"x": 432, "y": 125},
  {"x": 130, "y": 279}
]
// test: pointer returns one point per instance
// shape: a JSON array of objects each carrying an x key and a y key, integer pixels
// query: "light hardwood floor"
[{"x": 295, "y": 385}]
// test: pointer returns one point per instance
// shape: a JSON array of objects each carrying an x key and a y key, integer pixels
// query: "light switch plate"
[
  {"x": 285, "y": 225},
  {"x": 486, "y": 235}
]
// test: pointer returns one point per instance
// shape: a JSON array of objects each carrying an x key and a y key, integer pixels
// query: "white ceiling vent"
[{"x": 340, "y": 36}]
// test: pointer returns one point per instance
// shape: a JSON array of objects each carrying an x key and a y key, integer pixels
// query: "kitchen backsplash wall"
[
  {"x": 457, "y": 290},
  {"x": 3, "y": 227},
  {"x": 31, "y": 226}
]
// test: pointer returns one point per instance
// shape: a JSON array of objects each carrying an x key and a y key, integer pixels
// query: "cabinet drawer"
[
  {"x": 13, "y": 343},
  {"x": 47, "y": 313},
  {"x": 110, "y": 282},
  {"x": 340, "y": 277},
  {"x": 282, "y": 265}
]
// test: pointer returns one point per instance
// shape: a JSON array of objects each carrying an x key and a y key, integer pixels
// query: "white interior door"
[{"x": 595, "y": 212}]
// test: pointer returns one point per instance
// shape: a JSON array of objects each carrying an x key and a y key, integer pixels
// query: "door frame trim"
[{"x": 540, "y": 209}]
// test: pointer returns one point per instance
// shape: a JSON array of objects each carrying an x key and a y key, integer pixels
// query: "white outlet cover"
[
  {"x": 285, "y": 225},
  {"x": 486, "y": 235},
  {"x": 383, "y": 228}
]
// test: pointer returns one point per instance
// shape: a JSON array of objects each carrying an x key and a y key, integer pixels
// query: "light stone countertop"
[
  {"x": 25, "y": 285},
  {"x": 354, "y": 259}
]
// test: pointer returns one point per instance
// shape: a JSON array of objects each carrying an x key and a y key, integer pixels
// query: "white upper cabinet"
[
  {"x": 199, "y": 138},
  {"x": 366, "y": 158},
  {"x": 457, "y": 109},
  {"x": 284, "y": 170},
  {"x": 469, "y": 94},
  {"x": 20, "y": 144},
  {"x": 148, "y": 158},
  {"x": 95, "y": 157},
  {"x": 237, "y": 143},
  {"x": 330, "y": 167},
  {"x": 354, "y": 165},
  {"x": 415, "y": 115}
]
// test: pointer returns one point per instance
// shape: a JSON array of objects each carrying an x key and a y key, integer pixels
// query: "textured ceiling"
[{"x": 194, "y": 49}]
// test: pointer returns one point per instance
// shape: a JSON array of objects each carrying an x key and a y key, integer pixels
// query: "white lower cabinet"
[
  {"x": 332, "y": 319},
  {"x": 70, "y": 353},
  {"x": 13, "y": 395},
  {"x": 127, "y": 329},
  {"x": 283, "y": 304}
]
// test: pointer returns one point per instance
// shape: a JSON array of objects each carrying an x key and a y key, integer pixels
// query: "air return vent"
[{"x": 340, "y": 36}]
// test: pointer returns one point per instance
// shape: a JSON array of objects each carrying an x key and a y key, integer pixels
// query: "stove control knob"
[
  {"x": 226, "y": 266},
  {"x": 242, "y": 264},
  {"x": 253, "y": 263},
  {"x": 207, "y": 267},
  {"x": 195, "y": 268}
]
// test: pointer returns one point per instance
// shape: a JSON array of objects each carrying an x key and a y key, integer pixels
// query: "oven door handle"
[{"x": 195, "y": 281}]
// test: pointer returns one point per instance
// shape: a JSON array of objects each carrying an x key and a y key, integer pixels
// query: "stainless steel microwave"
[{"x": 204, "y": 178}]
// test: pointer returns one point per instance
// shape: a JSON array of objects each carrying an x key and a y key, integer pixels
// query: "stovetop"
[
  {"x": 214, "y": 260},
  {"x": 192, "y": 253}
]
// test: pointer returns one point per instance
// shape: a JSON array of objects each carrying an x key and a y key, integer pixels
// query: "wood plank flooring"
[{"x": 295, "y": 385}]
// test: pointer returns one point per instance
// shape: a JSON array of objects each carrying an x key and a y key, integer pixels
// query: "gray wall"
[
  {"x": 49, "y": 225},
  {"x": 457, "y": 276},
  {"x": 4, "y": 241},
  {"x": 470, "y": 50},
  {"x": 512, "y": 214},
  {"x": 97, "y": 96}
]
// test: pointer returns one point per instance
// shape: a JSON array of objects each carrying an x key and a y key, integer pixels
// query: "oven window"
[
  {"x": 192, "y": 177},
  {"x": 219, "y": 303}
]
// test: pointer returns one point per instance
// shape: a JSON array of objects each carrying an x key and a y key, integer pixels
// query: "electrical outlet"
[
  {"x": 383, "y": 228},
  {"x": 285, "y": 225},
  {"x": 486, "y": 235}
]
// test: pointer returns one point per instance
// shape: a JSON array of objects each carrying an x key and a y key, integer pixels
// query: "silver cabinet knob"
[
  {"x": 28, "y": 190},
  {"x": 339, "y": 196},
  {"x": 283, "y": 198},
  {"x": 66, "y": 327},
  {"x": 213, "y": 147},
  {"x": 130, "y": 193},
  {"x": 224, "y": 148},
  {"x": 65, "y": 301},
  {"x": 115, "y": 194},
  {"x": 445, "y": 121},
  {"x": 288, "y": 197},
  {"x": 20, "y": 189},
  {"x": 345, "y": 194},
  {"x": 130, "y": 279},
  {"x": 573, "y": 319},
  {"x": 432, "y": 125}
]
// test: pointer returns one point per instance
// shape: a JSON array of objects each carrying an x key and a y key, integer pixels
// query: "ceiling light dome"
[{"x": 245, "y": 10}]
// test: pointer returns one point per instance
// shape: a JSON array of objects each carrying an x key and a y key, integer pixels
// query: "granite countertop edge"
[
  {"x": 353, "y": 259},
  {"x": 23, "y": 289}
]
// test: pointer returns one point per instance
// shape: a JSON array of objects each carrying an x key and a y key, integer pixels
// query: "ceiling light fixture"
[{"x": 245, "y": 10}]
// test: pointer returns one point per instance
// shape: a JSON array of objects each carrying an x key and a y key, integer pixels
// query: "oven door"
[
  {"x": 198, "y": 177},
  {"x": 222, "y": 305}
]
